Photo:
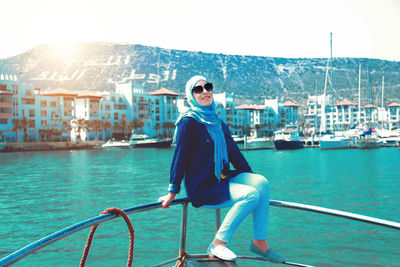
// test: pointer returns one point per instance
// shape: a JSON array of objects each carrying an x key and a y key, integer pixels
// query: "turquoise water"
[{"x": 43, "y": 192}]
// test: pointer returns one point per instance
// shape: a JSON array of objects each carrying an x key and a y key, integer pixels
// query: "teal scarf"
[{"x": 209, "y": 118}]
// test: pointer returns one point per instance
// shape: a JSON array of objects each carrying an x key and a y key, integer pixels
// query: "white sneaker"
[{"x": 221, "y": 252}]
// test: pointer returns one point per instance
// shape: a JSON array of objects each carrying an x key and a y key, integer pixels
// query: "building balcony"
[
  {"x": 6, "y": 115},
  {"x": 5, "y": 104}
]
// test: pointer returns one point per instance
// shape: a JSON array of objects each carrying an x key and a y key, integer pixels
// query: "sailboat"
[
  {"x": 334, "y": 140},
  {"x": 368, "y": 138}
]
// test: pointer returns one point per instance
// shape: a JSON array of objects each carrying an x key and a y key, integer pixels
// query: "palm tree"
[
  {"x": 96, "y": 125},
  {"x": 157, "y": 128},
  {"x": 137, "y": 124},
  {"x": 78, "y": 125},
  {"x": 106, "y": 125},
  {"x": 116, "y": 126},
  {"x": 167, "y": 126},
  {"x": 66, "y": 125},
  {"x": 21, "y": 124},
  {"x": 123, "y": 125},
  {"x": 260, "y": 128}
]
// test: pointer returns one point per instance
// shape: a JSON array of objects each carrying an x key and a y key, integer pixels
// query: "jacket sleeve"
[
  {"x": 181, "y": 155},
  {"x": 235, "y": 156}
]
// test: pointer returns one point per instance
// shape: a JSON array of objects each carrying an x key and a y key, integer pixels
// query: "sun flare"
[{"x": 63, "y": 49}]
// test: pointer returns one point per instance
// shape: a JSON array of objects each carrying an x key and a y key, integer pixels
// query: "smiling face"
[{"x": 205, "y": 98}]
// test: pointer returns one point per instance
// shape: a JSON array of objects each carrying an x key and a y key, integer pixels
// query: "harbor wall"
[{"x": 42, "y": 146}]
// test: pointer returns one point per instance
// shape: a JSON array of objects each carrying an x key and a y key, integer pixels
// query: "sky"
[{"x": 279, "y": 28}]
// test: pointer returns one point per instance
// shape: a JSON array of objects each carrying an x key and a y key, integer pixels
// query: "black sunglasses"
[{"x": 199, "y": 89}]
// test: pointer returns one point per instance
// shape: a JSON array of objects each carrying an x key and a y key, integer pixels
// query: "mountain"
[{"x": 98, "y": 66}]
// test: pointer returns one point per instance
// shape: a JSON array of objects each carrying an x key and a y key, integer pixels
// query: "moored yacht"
[
  {"x": 368, "y": 139},
  {"x": 142, "y": 140},
  {"x": 335, "y": 141},
  {"x": 287, "y": 138},
  {"x": 388, "y": 138},
  {"x": 112, "y": 143}
]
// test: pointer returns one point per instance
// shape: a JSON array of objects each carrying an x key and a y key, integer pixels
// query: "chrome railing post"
[
  {"x": 217, "y": 219},
  {"x": 182, "y": 249}
]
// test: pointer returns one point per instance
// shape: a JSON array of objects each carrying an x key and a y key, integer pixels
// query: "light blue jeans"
[{"x": 249, "y": 192}]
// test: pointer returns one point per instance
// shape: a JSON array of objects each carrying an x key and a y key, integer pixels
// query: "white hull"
[
  {"x": 367, "y": 145},
  {"x": 116, "y": 144},
  {"x": 335, "y": 144}
]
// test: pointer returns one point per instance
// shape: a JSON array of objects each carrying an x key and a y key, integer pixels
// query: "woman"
[{"x": 204, "y": 149}]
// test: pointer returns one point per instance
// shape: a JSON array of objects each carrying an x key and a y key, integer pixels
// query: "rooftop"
[
  {"x": 370, "y": 106},
  {"x": 253, "y": 107},
  {"x": 59, "y": 92},
  {"x": 290, "y": 104},
  {"x": 90, "y": 94},
  {"x": 394, "y": 105},
  {"x": 345, "y": 103},
  {"x": 164, "y": 91}
]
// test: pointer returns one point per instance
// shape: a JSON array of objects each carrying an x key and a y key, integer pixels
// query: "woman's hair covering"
[{"x": 206, "y": 115}]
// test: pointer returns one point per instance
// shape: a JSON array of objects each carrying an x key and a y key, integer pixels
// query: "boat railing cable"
[{"x": 183, "y": 256}]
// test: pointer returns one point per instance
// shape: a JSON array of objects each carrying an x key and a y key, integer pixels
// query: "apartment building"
[
  {"x": 290, "y": 113},
  {"x": 393, "y": 118},
  {"x": 346, "y": 114}
]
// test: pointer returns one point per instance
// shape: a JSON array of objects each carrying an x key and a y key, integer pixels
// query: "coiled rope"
[{"x": 94, "y": 227}]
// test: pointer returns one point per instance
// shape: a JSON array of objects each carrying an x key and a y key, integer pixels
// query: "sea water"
[{"x": 43, "y": 192}]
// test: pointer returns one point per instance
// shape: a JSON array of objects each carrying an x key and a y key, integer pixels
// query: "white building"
[
  {"x": 290, "y": 113},
  {"x": 394, "y": 116},
  {"x": 346, "y": 115}
]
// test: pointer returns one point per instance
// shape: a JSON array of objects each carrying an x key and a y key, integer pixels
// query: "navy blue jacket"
[{"x": 194, "y": 161}]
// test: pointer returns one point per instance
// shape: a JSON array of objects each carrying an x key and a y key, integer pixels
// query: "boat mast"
[
  {"x": 359, "y": 94},
  {"x": 369, "y": 97},
  {"x": 316, "y": 107},
  {"x": 323, "y": 103},
  {"x": 383, "y": 109},
  {"x": 332, "y": 108}
]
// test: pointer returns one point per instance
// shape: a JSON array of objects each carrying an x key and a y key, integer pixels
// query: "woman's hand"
[{"x": 166, "y": 200}]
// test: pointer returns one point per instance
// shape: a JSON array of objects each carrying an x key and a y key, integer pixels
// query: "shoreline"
[{"x": 44, "y": 146}]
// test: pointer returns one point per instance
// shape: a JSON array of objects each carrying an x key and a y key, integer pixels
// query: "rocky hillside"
[{"x": 98, "y": 66}]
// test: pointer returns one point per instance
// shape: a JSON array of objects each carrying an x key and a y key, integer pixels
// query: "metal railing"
[{"x": 25, "y": 251}]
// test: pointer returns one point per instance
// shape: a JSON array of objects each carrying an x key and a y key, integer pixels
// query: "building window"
[
  {"x": 123, "y": 116},
  {"x": 15, "y": 88},
  {"x": 43, "y": 113},
  {"x": 28, "y": 101},
  {"x": 157, "y": 118},
  {"x": 28, "y": 92},
  {"x": 3, "y": 121},
  {"x": 120, "y": 100},
  {"x": 108, "y": 115},
  {"x": 43, "y": 123},
  {"x": 43, "y": 103},
  {"x": 157, "y": 101},
  {"x": 108, "y": 107},
  {"x": 31, "y": 113},
  {"x": 53, "y": 104},
  {"x": 31, "y": 124},
  {"x": 68, "y": 103},
  {"x": 116, "y": 116}
]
